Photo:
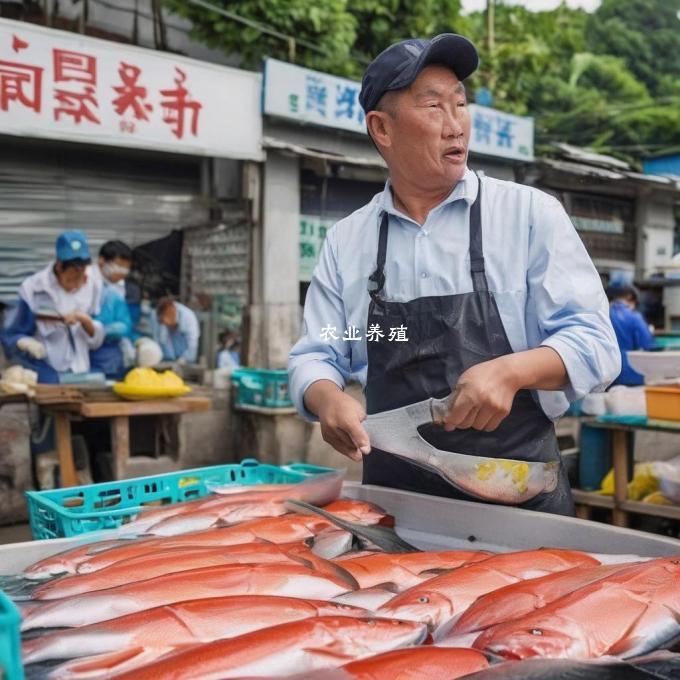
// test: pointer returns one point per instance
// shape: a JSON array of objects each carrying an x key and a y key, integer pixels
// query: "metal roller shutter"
[{"x": 109, "y": 194}]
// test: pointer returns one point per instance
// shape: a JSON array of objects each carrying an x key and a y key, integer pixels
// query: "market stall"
[{"x": 201, "y": 555}]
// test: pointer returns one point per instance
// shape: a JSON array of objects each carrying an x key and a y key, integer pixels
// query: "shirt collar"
[{"x": 466, "y": 189}]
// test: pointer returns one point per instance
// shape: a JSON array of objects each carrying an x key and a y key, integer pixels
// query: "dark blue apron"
[{"x": 447, "y": 334}]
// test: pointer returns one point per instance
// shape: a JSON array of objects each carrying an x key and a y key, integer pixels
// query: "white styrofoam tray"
[
  {"x": 656, "y": 366},
  {"x": 430, "y": 522}
]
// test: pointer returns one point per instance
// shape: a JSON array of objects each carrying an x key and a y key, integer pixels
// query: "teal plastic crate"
[
  {"x": 261, "y": 387},
  {"x": 77, "y": 510},
  {"x": 10, "y": 650}
]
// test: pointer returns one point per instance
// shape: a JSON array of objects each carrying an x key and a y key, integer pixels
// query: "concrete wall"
[
  {"x": 655, "y": 223},
  {"x": 274, "y": 315}
]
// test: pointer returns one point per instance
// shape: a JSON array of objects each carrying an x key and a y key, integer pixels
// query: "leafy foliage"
[{"x": 609, "y": 80}]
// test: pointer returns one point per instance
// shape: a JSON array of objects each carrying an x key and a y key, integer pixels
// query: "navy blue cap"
[
  {"x": 72, "y": 245},
  {"x": 400, "y": 64}
]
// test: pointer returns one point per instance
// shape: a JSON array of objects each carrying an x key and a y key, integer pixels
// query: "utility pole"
[
  {"x": 490, "y": 6},
  {"x": 490, "y": 40}
]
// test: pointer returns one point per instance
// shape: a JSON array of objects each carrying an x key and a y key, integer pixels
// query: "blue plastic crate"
[
  {"x": 77, "y": 510},
  {"x": 10, "y": 649},
  {"x": 261, "y": 387}
]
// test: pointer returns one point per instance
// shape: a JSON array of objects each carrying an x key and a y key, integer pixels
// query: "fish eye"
[
  {"x": 536, "y": 631},
  {"x": 423, "y": 599}
]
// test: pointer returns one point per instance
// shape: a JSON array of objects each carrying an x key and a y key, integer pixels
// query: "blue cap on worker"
[
  {"x": 72, "y": 245},
  {"x": 400, "y": 64}
]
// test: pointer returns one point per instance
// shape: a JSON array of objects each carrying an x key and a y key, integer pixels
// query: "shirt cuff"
[
  {"x": 95, "y": 341},
  {"x": 309, "y": 373}
]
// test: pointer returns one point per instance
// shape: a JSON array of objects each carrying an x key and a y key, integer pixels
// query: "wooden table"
[
  {"x": 620, "y": 506},
  {"x": 120, "y": 413}
]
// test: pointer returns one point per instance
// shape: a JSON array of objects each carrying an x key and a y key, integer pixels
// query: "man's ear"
[{"x": 378, "y": 127}]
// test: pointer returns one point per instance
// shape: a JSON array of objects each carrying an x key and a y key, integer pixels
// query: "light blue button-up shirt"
[
  {"x": 180, "y": 342},
  {"x": 546, "y": 287}
]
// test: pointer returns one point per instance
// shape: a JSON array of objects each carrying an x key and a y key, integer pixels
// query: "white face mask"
[{"x": 110, "y": 269}]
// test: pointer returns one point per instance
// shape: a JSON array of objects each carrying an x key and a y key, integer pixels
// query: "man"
[
  {"x": 175, "y": 328},
  {"x": 53, "y": 330},
  {"x": 454, "y": 283},
  {"x": 632, "y": 333},
  {"x": 115, "y": 260}
]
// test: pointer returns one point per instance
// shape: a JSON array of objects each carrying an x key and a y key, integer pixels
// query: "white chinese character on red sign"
[
  {"x": 131, "y": 95},
  {"x": 79, "y": 102},
  {"x": 176, "y": 105},
  {"x": 20, "y": 83}
]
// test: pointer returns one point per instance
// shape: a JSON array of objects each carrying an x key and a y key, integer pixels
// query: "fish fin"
[
  {"x": 390, "y": 586},
  {"x": 384, "y": 537},
  {"x": 331, "y": 652},
  {"x": 21, "y": 588},
  {"x": 307, "y": 558},
  {"x": 436, "y": 571},
  {"x": 109, "y": 545},
  {"x": 109, "y": 662}
]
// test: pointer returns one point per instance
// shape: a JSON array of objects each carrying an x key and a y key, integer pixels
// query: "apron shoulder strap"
[
  {"x": 376, "y": 281},
  {"x": 477, "y": 271}
]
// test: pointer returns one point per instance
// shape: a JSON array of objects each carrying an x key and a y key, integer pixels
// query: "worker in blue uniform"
[
  {"x": 115, "y": 260},
  {"x": 632, "y": 331},
  {"x": 53, "y": 328}
]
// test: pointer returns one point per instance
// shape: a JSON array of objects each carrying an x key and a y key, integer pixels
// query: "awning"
[{"x": 299, "y": 150}]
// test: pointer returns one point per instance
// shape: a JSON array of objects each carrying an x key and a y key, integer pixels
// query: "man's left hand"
[{"x": 483, "y": 396}]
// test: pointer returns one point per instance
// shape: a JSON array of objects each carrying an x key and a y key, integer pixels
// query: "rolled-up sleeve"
[
  {"x": 321, "y": 353},
  {"x": 96, "y": 340},
  {"x": 566, "y": 295}
]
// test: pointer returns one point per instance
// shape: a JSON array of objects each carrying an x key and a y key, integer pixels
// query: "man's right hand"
[
  {"x": 32, "y": 346},
  {"x": 340, "y": 416}
]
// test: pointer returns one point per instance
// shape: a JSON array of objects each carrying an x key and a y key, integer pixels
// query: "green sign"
[
  {"x": 312, "y": 234},
  {"x": 610, "y": 226}
]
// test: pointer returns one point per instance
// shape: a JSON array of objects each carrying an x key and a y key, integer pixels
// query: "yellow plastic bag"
[
  {"x": 607, "y": 486},
  {"x": 643, "y": 483}
]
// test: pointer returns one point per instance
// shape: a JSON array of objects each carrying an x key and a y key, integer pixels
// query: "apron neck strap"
[
  {"x": 477, "y": 272},
  {"x": 376, "y": 281}
]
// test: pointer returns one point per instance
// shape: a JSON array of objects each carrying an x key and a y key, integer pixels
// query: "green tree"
[
  {"x": 644, "y": 33},
  {"x": 324, "y": 32}
]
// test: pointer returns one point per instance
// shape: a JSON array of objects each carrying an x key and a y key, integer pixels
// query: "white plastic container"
[{"x": 626, "y": 401}]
